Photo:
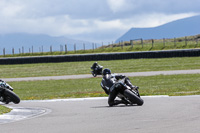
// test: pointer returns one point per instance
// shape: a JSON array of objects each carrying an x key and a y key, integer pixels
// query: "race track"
[{"x": 157, "y": 115}]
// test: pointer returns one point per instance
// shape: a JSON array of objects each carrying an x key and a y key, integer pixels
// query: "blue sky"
[{"x": 90, "y": 20}]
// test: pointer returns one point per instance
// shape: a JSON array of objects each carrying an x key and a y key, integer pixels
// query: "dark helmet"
[{"x": 106, "y": 71}]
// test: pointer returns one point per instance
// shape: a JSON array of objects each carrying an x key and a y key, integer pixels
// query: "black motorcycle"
[
  {"x": 128, "y": 95},
  {"x": 96, "y": 70},
  {"x": 6, "y": 93}
]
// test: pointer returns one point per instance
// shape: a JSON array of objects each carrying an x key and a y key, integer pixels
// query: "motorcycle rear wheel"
[
  {"x": 12, "y": 96},
  {"x": 133, "y": 97}
]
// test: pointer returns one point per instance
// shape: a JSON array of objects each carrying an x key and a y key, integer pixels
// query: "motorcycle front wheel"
[
  {"x": 12, "y": 96},
  {"x": 93, "y": 74},
  {"x": 133, "y": 97}
]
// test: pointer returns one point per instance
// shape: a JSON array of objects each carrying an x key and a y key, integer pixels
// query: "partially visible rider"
[
  {"x": 3, "y": 83},
  {"x": 7, "y": 96},
  {"x": 96, "y": 69},
  {"x": 109, "y": 82},
  {"x": 95, "y": 66}
]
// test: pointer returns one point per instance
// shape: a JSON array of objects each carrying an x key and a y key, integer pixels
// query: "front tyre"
[
  {"x": 133, "y": 97},
  {"x": 11, "y": 96},
  {"x": 94, "y": 74}
]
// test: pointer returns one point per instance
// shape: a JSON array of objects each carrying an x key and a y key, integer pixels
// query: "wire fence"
[
  {"x": 165, "y": 43},
  {"x": 148, "y": 44},
  {"x": 49, "y": 49}
]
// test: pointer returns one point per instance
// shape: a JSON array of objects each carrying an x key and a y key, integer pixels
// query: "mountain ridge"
[
  {"x": 179, "y": 28},
  {"x": 42, "y": 41}
]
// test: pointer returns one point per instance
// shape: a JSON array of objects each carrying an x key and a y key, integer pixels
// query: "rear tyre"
[
  {"x": 133, "y": 97},
  {"x": 12, "y": 96}
]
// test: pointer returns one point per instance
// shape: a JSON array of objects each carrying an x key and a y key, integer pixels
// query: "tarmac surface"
[
  {"x": 130, "y": 74},
  {"x": 88, "y": 115},
  {"x": 158, "y": 114}
]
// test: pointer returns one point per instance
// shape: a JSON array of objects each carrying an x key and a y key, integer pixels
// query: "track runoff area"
[
  {"x": 87, "y": 115},
  {"x": 159, "y": 113}
]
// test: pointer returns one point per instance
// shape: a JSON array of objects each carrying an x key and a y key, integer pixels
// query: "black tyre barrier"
[{"x": 101, "y": 56}]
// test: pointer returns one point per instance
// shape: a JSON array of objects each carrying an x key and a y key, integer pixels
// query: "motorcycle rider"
[
  {"x": 109, "y": 82},
  {"x": 95, "y": 66}
]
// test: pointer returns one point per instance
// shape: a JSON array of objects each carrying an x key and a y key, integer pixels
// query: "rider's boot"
[
  {"x": 135, "y": 88},
  {"x": 124, "y": 101},
  {"x": 128, "y": 82}
]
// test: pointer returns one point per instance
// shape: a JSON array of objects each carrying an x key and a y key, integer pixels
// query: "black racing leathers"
[{"x": 109, "y": 82}]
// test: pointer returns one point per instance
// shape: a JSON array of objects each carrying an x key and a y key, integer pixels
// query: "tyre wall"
[{"x": 102, "y": 56}]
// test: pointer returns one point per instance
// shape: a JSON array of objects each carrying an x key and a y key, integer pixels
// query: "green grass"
[
  {"x": 173, "y": 85},
  {"x": 186, "y": 84},
  {"x": 4, "y": 110},
  {"x": 50, "y": 89},
  {"x": 117, "y": 66}
]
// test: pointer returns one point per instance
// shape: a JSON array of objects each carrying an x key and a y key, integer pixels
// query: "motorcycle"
[
  {"x": 97, "y": 70},
  {"x": 6, "y": 93},
  {"x": 128, "y": 95}
]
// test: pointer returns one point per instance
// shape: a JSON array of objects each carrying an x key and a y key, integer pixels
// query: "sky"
[{"x": 90, "y": 20}]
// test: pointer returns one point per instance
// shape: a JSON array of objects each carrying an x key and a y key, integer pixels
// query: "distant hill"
[
  {"x": 38, "y": 41},
  {"x": 179, "y": 28}
]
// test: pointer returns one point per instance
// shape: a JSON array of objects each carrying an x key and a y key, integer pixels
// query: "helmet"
[{"x": 106, "y": 71}]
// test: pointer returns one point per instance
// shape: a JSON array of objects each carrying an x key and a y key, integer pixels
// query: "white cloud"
[
  {"x": 54, "y": 26},
  {"x": 9, "y": 9},
  {"x": 117, "y": 5},
  {"x": 90, "y": 20}
]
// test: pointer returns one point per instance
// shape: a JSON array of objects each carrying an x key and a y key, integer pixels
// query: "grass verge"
[
  {"x": 173, "y": 85},
  {"x": 117, "y": 66},
  {"x": 4, "y": 110}
]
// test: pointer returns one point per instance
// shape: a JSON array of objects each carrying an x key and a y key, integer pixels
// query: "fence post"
[
  {"x": 13, "y": 51},
  {"x": 174, "y": 42},
  {"x": 185, "y": 41},
  {"x": 142, "y": 42},
  {"x": 42, "y": 48},
  {"x": 152, "y": 42},
  {"x": 19, "y": 51},
  {"x": 32, "y": 49},
  {"x": 93, "y": 46},
  {"x": 22, "y": 50},
  {"x": 131, "y": 42},
  {"x": 121, "y": 44},
  {"x": 84, "y": 46},
  {"x": 51, "y": 49},
  {"x": 65, "y": 48},
  {"x": 4, "y": 51},
  {"x": 163, "y": 42},
  {"x": 75, "y": 47}
]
